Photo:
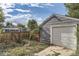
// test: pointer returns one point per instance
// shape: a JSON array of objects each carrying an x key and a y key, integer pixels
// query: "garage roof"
[{"x": 60, "y": 18}]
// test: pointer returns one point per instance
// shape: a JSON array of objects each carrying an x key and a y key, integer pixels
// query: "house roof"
[
  {"x": 11, "y": 28},
  {"x": 60, "y": 18}
]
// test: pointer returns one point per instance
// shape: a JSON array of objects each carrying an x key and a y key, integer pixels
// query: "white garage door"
[{"x": 64, "y": 36}]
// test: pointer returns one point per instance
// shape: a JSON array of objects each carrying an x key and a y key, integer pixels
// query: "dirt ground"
[{"x": 55, "y": 51}]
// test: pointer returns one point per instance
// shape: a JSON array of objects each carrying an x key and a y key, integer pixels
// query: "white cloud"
[
  {"x": 22, "y": 17},
  {"x": 8, "y": 19},
  {"x": 48, "y": 4},
  {"x": 24, "y": 3},
  {"x": 14, "y": 24},
  {"x": 6, "y": 12},
  {"x": 8, "y": 15},
  {"x": 41, "y": 5},
  {"x": 36, "y": 5},
  {"x": 6, "y": 8},
  {"x": 21, "y": 10},
  {"x": 19, "y": 17},
  {"x": 6, "y": 5},
  {"x": 39, "y": 20}
]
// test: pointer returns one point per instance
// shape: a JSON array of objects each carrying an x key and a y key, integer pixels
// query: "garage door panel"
[{"x": 63, "y": 36}]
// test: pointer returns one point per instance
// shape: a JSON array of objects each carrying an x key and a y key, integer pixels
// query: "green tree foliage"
[
  {"x": 21, "y": 26},
  {"x": 73, "y": 9},
  {"x": 1, "y": 18},
  {"x": 9, "y": 24},
  {"x": 33, "y": 33},
  {"x": 1, "y": 15},
  {"x": 32, "y": 24},
  {"x": 34, "y": 29}
]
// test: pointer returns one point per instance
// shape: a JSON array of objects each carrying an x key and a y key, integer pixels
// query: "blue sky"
[{"x": 21, "y": 13}]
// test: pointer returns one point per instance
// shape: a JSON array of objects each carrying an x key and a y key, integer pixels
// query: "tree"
[
  {"x": 73, "y": 9},
  {"x": 33, "y": 27},
  {"x": 32, "y": 24},
  {"x": 34, "y": 34},
  {"x": 21, "y": 26},
  {"x": 1, "y": 17},
  {"x": 9, "y": 24}
]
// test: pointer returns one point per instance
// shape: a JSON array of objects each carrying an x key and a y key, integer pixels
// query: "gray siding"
[
  {"x": 45, "y": 31},
  {"x": 67, "y": 41}
]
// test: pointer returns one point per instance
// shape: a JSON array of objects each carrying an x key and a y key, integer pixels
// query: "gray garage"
[{"x": 60, "y": 30}]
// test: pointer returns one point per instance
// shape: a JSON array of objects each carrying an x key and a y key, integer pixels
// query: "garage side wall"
[{"x": 45, "y": 31}]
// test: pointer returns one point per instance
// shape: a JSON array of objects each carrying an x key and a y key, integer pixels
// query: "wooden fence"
[{"x": 13, "y": 36}]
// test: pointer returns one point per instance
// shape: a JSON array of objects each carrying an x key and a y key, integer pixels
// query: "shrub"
[
  {"x": 34, "y": 34},
  {"x": 9, "y": 45},
  {"x": 26, "y": 50},
  {"x": 18, "y": 51}
]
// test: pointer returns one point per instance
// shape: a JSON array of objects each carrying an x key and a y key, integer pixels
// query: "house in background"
[
  {"x": 11, "y": 29},
  {"x": 60, "y": 30},
  {"x": 15, "y": 29}
]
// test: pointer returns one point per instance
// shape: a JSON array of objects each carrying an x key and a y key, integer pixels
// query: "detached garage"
[{"x": 60, "y": 30}]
